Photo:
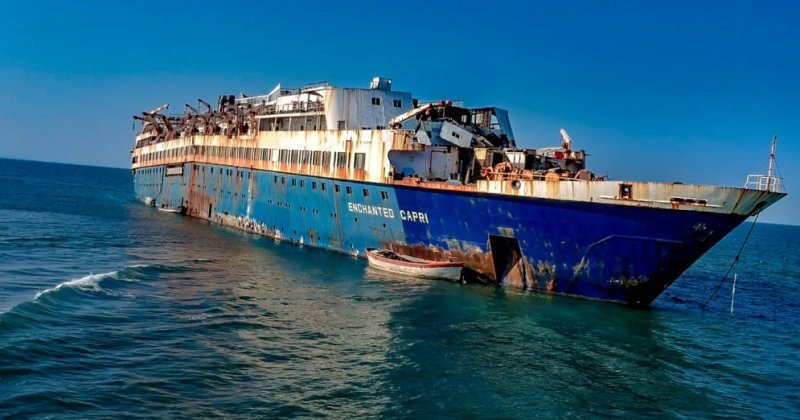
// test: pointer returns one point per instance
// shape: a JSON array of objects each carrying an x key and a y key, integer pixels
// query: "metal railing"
[{"x": 764, "y": 183}]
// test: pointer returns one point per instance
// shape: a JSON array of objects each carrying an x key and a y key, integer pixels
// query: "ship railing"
[
  {"x": 764, "y": 183},
  {"x": 294, "y": 108},
  {"x": 520, "y": 177},
  {"x": 315, "y": 85}
]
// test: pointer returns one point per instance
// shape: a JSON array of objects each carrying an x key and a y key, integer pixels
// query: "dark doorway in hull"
[{"x": 507, "y": 260}]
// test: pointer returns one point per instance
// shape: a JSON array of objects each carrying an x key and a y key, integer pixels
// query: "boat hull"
[
  {"x": 620, "y": 253},
  {"x": 431, "y": 270}
]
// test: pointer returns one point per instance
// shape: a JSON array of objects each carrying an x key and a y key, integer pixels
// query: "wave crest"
[{"x": 88, "y": 283}]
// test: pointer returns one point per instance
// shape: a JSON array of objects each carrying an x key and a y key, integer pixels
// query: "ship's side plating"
[
  {"x": 603, "y": 251},
  {"x": 347, "y": 189}
]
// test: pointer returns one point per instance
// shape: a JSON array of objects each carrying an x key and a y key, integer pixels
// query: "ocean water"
[{"x": 110, "y": 308}]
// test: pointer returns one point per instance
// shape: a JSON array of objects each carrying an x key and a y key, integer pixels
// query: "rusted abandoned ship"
[{"x": 347, "y": 169}]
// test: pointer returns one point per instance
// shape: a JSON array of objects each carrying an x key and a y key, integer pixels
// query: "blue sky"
[{"x": 663, "y": 91}]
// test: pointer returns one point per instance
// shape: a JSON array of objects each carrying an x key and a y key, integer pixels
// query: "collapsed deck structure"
[{"x": 347, "y": 169}]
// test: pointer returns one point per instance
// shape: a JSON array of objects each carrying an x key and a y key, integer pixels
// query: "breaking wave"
[
  {"x": 88, "y": 283},
  {"x": 107, "y": 283},
  {"x": 131, "y": 273}
]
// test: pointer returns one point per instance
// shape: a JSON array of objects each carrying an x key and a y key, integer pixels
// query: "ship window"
[
  {"x": 275, "y": 180},
  {"x": 313, "y": 185},
  {"x": 349, "y": 190},
  {"x": 384, "y": 195},
  {"x": 341, "y": 159},
  {"x": 376, "y": 101},
  {"x": 294, "y": 182},
  {"x": 397, "y": 103},
  {"x": 322, "y": 186},
  {"x": 326, "y": 158},
  {"x": 336, "y": 187},
  {"x": 283, "y": 180},
  {"x": 625, "y": 191},
  {"x": 359, "y": 160},
  {"x": 302, "y": 183},
  {"x": 366, "y": 193},
  {"x": 341, "y": 125}
]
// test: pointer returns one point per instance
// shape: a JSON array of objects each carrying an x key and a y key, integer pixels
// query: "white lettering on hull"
[
  {"x": 370, "y": 210},
  {"x": 414, "y": 216},
  {"x": 405, "y": 215}
]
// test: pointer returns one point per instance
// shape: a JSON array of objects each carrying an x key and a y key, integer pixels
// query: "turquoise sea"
[{"x": 109, "y": 308}]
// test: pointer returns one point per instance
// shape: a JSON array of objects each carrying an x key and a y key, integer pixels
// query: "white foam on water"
[{"x": 90, "y": 282}]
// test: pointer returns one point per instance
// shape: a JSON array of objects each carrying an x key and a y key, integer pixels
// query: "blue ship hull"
[{"x": 609, "y": 252}]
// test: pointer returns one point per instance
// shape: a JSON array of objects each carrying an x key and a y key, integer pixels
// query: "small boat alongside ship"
[
  {"x": 388, "y": 260},
  {"x": 174, "y": 210}
]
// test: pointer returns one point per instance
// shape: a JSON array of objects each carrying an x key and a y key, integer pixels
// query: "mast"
[{"x": 771, "y": 162}]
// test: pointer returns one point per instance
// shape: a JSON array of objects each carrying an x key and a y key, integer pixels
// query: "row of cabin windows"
[
  {"x": 323, "y": 186},
  {"x": 314, "y": 184},
  {"x": 152, "y": 171},
  {"x": 303, "y": 157},
  {"x": 287, "y": 124},
  {"x": 311, "y": 123},
  {"x": 165, "y": 154}
]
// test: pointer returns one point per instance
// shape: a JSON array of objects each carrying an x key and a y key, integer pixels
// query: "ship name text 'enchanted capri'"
[{"x": 346, "y": 169}]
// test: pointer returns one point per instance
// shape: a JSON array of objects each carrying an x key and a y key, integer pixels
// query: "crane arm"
[
  {"x": 205, "y": 104},
  {"x": 408, "y": 115}
]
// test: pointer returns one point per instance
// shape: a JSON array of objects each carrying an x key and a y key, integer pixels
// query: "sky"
[{"x": 661, "y": 91}]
